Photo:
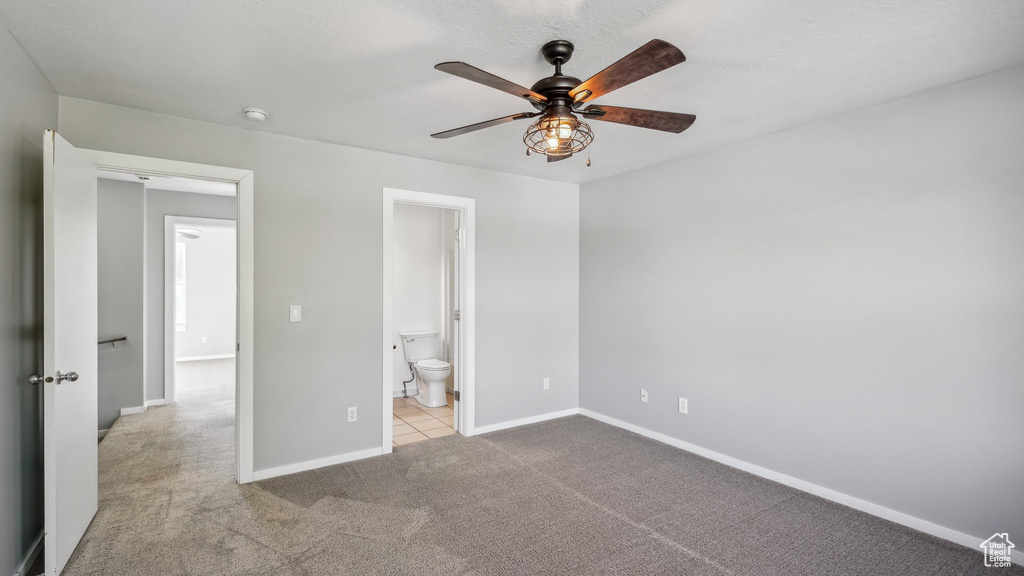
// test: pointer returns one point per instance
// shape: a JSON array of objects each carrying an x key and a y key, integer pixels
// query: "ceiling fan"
[{"x": 559, "y": 132}]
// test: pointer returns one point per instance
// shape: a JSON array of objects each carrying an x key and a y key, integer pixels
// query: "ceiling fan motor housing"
[{"x": 556, "y": 88}]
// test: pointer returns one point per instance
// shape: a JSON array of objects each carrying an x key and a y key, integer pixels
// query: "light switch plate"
[{"x": 295, "y": 313}]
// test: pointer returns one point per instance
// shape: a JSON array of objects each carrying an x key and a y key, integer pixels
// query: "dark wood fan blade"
[
  {"x": 653, "y": 119},
  {"x": 557, "y": 158},
  {"x": 651, "y": 58},
  {"x": 463, "y": 70},
  {"x": 482, "y": 125}
]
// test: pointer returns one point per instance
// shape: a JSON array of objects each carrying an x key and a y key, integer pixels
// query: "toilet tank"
[{"x": 419, "y": 345}]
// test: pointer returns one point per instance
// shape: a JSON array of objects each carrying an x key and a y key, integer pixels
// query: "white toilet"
[{"x": 421, "y": 352}]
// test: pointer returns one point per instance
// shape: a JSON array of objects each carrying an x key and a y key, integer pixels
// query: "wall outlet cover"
[
  {"x": 352, "y": 414},
  {"x": 684, "y": 406},
  {"x": 204, "y": 339},
  {"x": 547, "y": 383},
  {"x": 643, "y": 394},
  {"x": 295, "y": 313}
]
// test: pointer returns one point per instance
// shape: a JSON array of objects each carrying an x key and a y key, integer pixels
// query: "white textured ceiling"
[{"x": 360, "y": 72}]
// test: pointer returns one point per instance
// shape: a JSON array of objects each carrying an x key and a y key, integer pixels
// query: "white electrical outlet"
[
  {"x": 295, "y": 313},
  {"x": 684, "y": 406},
  {"x": 643, "y": 394},
  {"x": 204, "y": 339},
  {"x": 547, "y": 383},
  {"x": 352, "y": 414}
]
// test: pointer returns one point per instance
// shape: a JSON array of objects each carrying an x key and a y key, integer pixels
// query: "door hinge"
[
  {"x": 457, "y": 396},
  {"x": 238, "y": 347},
  {"x": 458, "y": 315},
  {"x": 458, "y": 234}
]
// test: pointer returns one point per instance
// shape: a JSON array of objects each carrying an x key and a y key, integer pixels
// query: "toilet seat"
[{"x": 433, "y": 364}]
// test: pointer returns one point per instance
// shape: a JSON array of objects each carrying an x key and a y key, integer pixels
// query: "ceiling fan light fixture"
[{"x": 558, "y": 133}]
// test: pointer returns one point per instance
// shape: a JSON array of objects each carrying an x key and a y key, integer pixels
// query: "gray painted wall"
[
  {"x": 318, "y": 243},
  {"x": 160, "y": 203},
  {"x": 210, "y": 306},
  {"x": 120, "y": 219},
  {"x": 28, "y": 105},
  {"x": 840, "y": 302}
]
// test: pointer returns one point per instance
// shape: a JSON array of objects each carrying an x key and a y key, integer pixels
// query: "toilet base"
[{"x": 431, "y": 394}]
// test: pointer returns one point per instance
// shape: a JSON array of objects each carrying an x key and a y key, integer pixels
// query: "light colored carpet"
[{"x": 569, "y": 496}]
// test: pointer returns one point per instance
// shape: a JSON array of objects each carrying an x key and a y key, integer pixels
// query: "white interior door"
[
  {"x": 456, "y": 334},
  {"x": 70, "y": 312}
]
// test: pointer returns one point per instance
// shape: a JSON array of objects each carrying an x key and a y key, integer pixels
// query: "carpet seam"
[{"x": 657, "y": 535}]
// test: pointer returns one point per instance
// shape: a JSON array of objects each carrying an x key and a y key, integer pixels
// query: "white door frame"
[
  {"x": 170, "y": 354},
  {"x": 467, "y": 306},
  {"x": 244, "y": 331}
]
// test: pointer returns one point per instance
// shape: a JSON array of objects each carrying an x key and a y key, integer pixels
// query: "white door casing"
[
  {"x": 70, "y": 328},
  {"x": 245, "y": 286}
]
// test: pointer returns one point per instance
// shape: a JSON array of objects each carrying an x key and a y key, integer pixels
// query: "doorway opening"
[
  {"x": 199, "y": 180},
  {"x": 199, "y": 310},
  {"x": 426, "y": 308},
  {"x": 428, "y": 317}
]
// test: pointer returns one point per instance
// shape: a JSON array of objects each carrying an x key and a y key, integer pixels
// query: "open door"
[
  {"x": 456, "y": 321},
  {"x": 70, "y": 311}
]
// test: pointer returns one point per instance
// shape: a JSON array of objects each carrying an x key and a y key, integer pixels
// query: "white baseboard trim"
[
  {"x": 267, "y": 473},
  {"x": 523, "y": 421},
  {"x": 197, "y": 358},
  {"x": 30, "y": 557},
  {"x": 411, "y": 391},
  {"x": 141, "y": 409},
  {"x": 101, "y": 433},
  {"x": 907, "y": 520}
]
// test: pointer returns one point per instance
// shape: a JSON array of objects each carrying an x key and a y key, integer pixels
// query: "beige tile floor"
[{"x": 414, "y": 422}]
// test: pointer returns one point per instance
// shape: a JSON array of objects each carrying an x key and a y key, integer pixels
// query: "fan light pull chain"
[{"x": 588, "y": 158}]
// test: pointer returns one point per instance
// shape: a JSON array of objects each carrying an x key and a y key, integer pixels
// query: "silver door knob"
[
  {"x": 35, "y": 379},
  {"x": 70, "y": 376}
]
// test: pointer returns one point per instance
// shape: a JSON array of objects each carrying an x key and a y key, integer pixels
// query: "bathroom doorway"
[{"x": 428, "y": 317}]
